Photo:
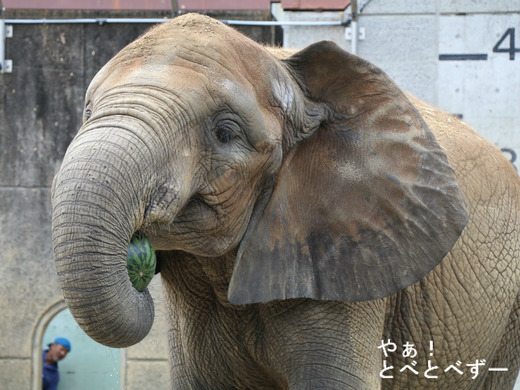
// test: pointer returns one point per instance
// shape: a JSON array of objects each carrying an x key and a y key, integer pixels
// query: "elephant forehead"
[{"x": 181, "y": 83}]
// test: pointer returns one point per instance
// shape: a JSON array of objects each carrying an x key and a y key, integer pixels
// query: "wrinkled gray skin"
[{"x": 303, "y": 209}]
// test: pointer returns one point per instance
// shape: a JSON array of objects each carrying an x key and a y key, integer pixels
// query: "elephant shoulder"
[{"x": 480, "y": 167}]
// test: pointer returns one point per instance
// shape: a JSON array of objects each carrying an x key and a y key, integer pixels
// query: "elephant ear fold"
[{"x": 364, "y": 207}]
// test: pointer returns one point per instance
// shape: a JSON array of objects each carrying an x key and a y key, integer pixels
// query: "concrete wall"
[
  {"x": 40, "y": 111},
  {"x": 410, "y": 40}
]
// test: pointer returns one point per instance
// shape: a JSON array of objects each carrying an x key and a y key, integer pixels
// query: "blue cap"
[{"x": 62, "y": 341}]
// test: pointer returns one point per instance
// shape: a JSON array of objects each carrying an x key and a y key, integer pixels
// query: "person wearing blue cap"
[{"x": 56, "y": 352}]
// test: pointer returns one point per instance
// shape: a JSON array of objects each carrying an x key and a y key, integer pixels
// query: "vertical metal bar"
[
  {"x": 354, "y": 40},
  {"x": 6, "y": 66},
  {"x": 354, "y": 27},
  {"x": 2, "y": 45}
]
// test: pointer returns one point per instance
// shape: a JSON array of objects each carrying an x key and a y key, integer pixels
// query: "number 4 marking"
[{"x": 511, "y": 49}]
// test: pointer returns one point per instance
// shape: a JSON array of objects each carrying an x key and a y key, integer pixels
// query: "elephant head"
[{"x": 315, "y": 170}]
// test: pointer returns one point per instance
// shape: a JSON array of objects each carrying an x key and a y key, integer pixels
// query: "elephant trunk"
[{"x": 99, "y": 201}]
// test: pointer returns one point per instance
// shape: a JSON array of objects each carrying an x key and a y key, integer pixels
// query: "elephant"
[{"x": 314, "y": 225}]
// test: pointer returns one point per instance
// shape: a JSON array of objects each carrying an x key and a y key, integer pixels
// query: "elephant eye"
[
  {"x": 226, "y": 131},
  {"x": 224, "y": 135},
  {"x": 88, "y": 114}
]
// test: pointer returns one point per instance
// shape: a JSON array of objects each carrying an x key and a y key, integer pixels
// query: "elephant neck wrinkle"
[
  {"x": 218, "y": 272},
  {"x": 200, "y": 275}
]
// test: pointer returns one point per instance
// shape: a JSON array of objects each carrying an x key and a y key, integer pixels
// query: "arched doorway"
[{"x": 89, "y": 365}]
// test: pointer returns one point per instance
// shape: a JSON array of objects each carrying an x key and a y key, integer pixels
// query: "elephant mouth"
[{"x": 197, "y": 218}]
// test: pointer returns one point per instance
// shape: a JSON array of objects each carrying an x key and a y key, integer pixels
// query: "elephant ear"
[{"x": 364, "y": 207}]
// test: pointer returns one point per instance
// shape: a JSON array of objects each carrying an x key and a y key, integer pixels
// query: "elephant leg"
[
  {"x": 324, "y": 345},
  {"x": 507, "y": 354}
]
